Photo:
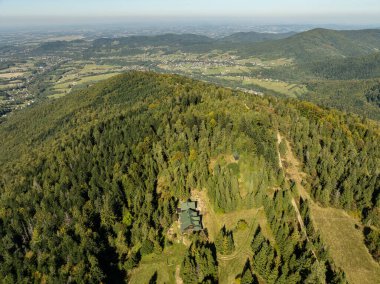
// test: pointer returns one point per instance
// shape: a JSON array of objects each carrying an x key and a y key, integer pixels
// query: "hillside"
[
  {"x": 319, "y": 44},
  {"x": 362, "y": 67},
  {"x": 312, "y": 45},
  {"x": 169, "y": 42},
  {"x": 90, "y": 183},
  {"x": 186, "y": 40},
  {"x": 251, "y": 37},
  {"x": 293, "y": 65},
  {"x": 356, "y": 96}
]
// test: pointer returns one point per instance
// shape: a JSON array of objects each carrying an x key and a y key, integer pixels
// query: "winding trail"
[{"x": 279, "y": 138}]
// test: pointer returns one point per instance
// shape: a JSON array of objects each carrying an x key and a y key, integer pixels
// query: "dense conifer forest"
[{"x": 90, "y": 183}]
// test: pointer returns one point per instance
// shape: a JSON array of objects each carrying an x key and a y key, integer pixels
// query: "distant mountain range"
[{"x": 313, "y": 45}]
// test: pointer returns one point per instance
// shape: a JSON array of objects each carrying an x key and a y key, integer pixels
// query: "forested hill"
[
  {"x": 319, "y": 44},
  {"x": 186, "y": 40},
  {"x": 312, "y": 45},
  {"x": 362, "y": 67},
  {"x": 90, "y": 183},
  {"x": 250, "y": 37}
]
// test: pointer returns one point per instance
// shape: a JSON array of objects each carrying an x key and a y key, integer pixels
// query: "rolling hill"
[
  {"x": 251, "y": 37},
  {"x": 90, "y": 184},
  {"x": 349, "y": 68},
  {"x": 313, "y": 45},
  {"x": 319, "y": 44}
]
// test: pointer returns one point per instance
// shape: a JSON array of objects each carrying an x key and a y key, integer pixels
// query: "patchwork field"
[
  {"x": 11, "y": 75},
  {"x": 284, "y": 88},
  {"x": 80, "y": 75}
]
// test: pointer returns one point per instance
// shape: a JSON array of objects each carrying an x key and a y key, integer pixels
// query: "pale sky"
[{"x": 347, "y": 11}]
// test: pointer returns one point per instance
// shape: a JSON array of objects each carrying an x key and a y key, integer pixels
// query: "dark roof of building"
[
  {"x": 188, "y": 205},
  {"x": 189, "y": 217}
]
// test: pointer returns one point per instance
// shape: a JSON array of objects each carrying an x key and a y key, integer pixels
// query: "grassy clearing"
[
  {"x": 228, "y": 270},
  {"x": 250, "y": 60},
  {"x": 96, "y": 78},
  {"x": 72, "y": 80},
  {"x": 8, "y": 86},
  {"x": 231, "y": 265},
  {"x": 346, "y": 244},
  {"x": 279, "y": 62},
  {"x": 207, "y": 70},
  {"x": 83, "y": 72},
  {"x": 164, "y": 264},
  {"x": 57, "y": 96},
  {"x": 62, "y": 86},
  {"x": 291, "y": 90},
  {"x": 287, "y": 89},
  {"x": 266, "y": 63},
  {"x": 224, "y": 70},
  {"x": 88, "y": 68}
]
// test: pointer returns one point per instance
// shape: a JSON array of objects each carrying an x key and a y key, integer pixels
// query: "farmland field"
[{"x": 10, "y": 75}]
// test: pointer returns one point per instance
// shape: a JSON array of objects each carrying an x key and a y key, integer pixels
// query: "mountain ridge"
[{"x": 102, "y": 176}]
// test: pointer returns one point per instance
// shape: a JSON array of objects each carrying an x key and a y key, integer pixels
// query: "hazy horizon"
[{"x": 43, "y": 12}]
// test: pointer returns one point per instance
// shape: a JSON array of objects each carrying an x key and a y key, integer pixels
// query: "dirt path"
[
  {"x": 293, "y": 168},
  {"x": 178, "y": 279},
  {"x": 302, "y": 225},
  {"x": 278, "y": 150},
  {"x": 293, "y": 172}
]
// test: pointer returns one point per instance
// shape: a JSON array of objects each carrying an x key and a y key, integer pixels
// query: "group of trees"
[
  {"x": 373, "y": 95},
  {"x": 341, "y": 155},
  {"x": 293, "y": 255},
  {"x": 362, "y": 67},
  {"x": 372, "y": 241},
  {"x": 225, "y": 241},
  {"x": 200, "y": 264},
  {"x": 223, "y": 189},
  {"x": 247, "y": 276},
  {"x": 345, "y": 95},
  {"x": 108, "y": 185}
]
